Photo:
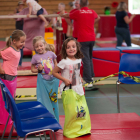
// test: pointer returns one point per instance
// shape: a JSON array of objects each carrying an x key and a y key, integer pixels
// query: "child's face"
[
  {"x": 20, "y": 43},
  {"x": 39, "y": 47},
  {"x": 71, "y": 49}
]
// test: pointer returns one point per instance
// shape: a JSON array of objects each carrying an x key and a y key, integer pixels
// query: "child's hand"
[
  {"x": 40, "y": 67},
  {"x": 67, "y": 82},
  {"x": 2, "y": 71},
  {"x": 28, "y": 15},
  {"x": 82, "y": 80}
]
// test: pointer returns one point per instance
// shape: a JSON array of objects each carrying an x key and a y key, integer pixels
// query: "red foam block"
[
  {"x": 131, "y": 51},
  {"x": 25, "y": 66},
  {"x": 106, "y": 39},
  {"x": 118, "y": 126},
  {"x": 104, "y": 68},
  {"x": 106, "y": 45},
  {"x": 26, "y": 81},
  {"x": 111, "y": 55},
  {"x": 26, "y": 52}
]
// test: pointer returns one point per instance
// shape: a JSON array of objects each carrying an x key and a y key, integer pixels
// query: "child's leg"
[
  {"x": 40, "y": 15},
  {"x": 44, "y": 19}
]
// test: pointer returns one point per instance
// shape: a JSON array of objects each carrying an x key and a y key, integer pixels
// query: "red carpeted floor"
[
  {"x": 25, "y": 66},
  {"x": 123, "y": 126}
]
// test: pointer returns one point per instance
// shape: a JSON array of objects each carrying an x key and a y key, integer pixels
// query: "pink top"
[{"x": 11, "y": 59}]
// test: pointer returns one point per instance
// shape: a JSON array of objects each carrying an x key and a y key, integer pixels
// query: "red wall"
[{"x": 107, "y": 26}]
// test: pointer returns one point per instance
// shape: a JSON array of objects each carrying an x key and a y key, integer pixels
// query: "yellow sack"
[{"x": 77, "y": 118}]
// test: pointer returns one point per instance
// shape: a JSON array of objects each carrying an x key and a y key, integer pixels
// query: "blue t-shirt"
[
  {"x": 47, "y": 61},
  {"x": 120, "y": 19}
]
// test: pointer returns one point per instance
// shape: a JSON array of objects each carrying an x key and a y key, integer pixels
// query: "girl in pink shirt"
[{"x": 8, "y": 72}]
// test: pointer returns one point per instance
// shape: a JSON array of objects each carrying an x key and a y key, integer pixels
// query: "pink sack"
[{"x": 11, "y": 85}]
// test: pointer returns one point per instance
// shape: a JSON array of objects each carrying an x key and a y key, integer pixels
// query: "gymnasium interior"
[{"x": 115, "y": 107}]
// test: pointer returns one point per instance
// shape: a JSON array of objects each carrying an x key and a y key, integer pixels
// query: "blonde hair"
[
  {"x": 48, "y": 47},
  {"x": 15, "y": 36},
  {"x": 122, "y": 6},
  {"x": 51, "y": 47},
  {"x": 37, "y": 38}
]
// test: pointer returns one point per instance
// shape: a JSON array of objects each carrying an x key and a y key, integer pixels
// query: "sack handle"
[{"x": 70, "y": 87}]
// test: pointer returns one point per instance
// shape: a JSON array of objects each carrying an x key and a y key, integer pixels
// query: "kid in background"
[
  {"x": 77, "y": 119},
  {"x": 35, "y": 8},
  {"x": 43, "y": 63},
  {"x": 8, "y": 72}
]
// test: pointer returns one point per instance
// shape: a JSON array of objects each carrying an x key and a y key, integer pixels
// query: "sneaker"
[
  {"x": 88, "y": 84},
  {"x": 92, "y": 78}
]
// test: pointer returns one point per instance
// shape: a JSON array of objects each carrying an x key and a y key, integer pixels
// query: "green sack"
[{"x": 77, "y": 118}]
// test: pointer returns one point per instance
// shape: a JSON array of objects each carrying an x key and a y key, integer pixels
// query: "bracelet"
[{"x": 39, "y": 71}]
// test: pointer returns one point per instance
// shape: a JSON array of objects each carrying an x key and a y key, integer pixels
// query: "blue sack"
[{"x": 47, "y": 94}]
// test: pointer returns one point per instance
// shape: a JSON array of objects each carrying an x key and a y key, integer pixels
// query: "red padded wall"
[
  {"x": 111, "y": 55},
  {"x": 107, "y": 26},
  {"x": 104, "y": 68}
]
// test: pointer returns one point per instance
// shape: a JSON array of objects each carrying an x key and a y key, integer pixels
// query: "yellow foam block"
[
  {"x": 33, "y": 53},
  {"x": 49, "y": 37}
]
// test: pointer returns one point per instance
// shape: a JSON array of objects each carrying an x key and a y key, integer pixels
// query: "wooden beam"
[{"x": 25, "y": 16}]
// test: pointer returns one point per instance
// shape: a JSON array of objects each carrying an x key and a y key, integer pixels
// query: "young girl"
[
  {"x": 71, "y": 61},
  {"x": 43, "y": 62},
  {"x": 35, "y": 8},
  {"x": 73, "y": 102},
  {"x": 8, "y": 72}
]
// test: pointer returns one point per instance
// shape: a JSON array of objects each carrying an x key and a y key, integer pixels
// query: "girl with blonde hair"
[{"x": 43, "y": 62}]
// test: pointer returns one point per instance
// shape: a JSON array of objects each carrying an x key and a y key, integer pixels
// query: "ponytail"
[{"x": 9, "y": 42}]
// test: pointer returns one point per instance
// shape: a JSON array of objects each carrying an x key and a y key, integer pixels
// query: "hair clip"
[{"x": 10, "y": 36}]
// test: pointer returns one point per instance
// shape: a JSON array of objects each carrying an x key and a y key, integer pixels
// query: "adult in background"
[
  {"x": 32, "y": 27},
  {"x": 122, "y": 27},
  {"x": 75, "y": 25},
  {"x": 66, "y": 27},
  {"x": 71, "y": 5},
  {"x": 19, "y": 25},
  {"x": 85, "y": 19}
]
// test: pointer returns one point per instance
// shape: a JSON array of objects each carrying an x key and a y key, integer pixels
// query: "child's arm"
[
  {"x": 68, "y": 31},
  {"x": 34, "y": 70},
  {"x": 81, "y": 78},
  {"x": 30, "y": 9},
  {"x": 1, "y": 70},
  {"x": 55, "y": 62},
  {"x": 56, "y": 74}
]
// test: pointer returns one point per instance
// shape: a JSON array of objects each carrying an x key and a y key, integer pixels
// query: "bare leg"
[{"x": 44, "y": 19}]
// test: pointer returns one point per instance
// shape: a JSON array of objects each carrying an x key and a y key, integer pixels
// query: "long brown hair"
[
  {"x": 122, "y": 6},
  {"x": 63, "y": 53},
  {"x": 15, "y": 36}
]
